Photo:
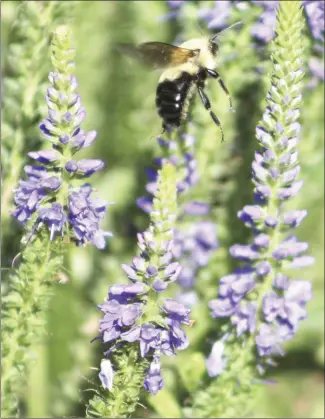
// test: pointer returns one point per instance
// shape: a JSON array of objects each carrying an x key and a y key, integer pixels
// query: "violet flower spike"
[
  {"x": 192, "y": 246},
  {"x": 137, "y": 312},
  {"x": 264, "y": 305},
  {"x": 48, "y": 195}
]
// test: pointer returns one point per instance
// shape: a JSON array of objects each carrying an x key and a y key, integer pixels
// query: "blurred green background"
[{"x": 118, "y": 95}]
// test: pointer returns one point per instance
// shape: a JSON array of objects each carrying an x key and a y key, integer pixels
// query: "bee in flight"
[{"x": 186, "y": 69}]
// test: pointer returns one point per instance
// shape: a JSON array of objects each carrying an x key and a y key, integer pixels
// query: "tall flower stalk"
[
  {"x": 194, "y": 240},
  {"x": 50, "y": 203},
  {"x": 24, "y": 82},
  {"x": 139, "y": 325},
  {"x": 52, "y": 194},
  {"x": 261, "y": 307}
]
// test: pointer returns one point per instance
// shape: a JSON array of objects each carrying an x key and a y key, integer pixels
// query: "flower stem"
[
  {"x": 128, "y": 379},
  {"x": 23, "y": 315}
]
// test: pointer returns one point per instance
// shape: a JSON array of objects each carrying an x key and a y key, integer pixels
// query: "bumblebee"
[{"x": 186, "y": 70}]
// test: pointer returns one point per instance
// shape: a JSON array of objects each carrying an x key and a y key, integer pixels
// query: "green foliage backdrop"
[{"x": 118, "y": 96}]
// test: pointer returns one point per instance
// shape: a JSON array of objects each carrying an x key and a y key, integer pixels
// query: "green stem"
[
  {"x": 125, "y": 394},
  {"x": 23, "y": 316}
]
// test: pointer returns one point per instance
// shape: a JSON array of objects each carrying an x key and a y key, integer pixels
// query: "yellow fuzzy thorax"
[{"x": 193, "y": 65}]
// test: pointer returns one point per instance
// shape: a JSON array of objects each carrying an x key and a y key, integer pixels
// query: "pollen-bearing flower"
[
  {"x": 259, "y": 297},
  {"x": 136, "y": 313},
  {"x": 195, "y": 241},
  {"x": 48, "y": 195}
]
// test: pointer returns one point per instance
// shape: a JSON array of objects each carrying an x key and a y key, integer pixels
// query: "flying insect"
[{"x": 186, "y": 70}]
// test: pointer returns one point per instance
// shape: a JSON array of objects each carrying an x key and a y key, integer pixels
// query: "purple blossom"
[
  {"x": 31, "y": 192},
  {"x": 54, "y": 217},
  {"x": 194, "y": 248},
  {"x": 84, "y": 217},
  {"x": 48, "y": 195},
  {"x": 263, "y": 28},
  {"x": 85, "y": 167},
  {"x": 153, "y": 381},
  {"x": 217, "y": 16},
  {"x": 244, "y": 318}
]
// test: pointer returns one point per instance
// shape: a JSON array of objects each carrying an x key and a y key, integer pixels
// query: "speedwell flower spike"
[
  {"x": 136, "y": 314},
  {"x": 259, "y": 297},
  {"x": 48, "y": 195},
  {"x": 194, "y": 245}
]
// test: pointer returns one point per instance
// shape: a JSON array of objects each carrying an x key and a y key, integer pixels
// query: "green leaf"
[
  {"x": 191, "y": 369},
  {"x": 165, "y": 404}
]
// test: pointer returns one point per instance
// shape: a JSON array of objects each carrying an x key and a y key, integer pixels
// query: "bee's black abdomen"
[{"x": 171, "y": 97}]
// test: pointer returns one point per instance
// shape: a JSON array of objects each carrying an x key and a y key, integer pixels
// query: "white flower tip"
[
  {"x": 214, "y": 363},
  {"x": 106, "y": 374}
]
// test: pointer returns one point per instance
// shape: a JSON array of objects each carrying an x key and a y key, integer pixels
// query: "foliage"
[{"x": 50, "y": 311}]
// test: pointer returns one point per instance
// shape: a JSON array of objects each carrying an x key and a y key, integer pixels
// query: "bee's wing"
[{"x": 159, "y": 54}]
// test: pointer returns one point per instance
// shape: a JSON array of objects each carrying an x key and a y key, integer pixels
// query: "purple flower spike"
[
  {"x": 136, "y": 313},
  {"x": 71, "y": 212},
  {"x": 259, "y": 298},
  {"x": 196, "y": 244}
]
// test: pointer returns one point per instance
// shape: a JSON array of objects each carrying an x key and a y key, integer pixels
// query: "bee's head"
[
  {"x": 213, "y": 46},
  {"x": 213, "y": 42}
]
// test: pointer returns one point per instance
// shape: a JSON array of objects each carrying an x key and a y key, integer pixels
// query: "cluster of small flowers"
[
  {"x": 135, "y": 312},
  {"x": 195, "y": 245},
  {"x": 124, "y": 321},
  {"x": 259, "y": 298},
  {"x": 47, "y": 195},
  {"x": 284, "y": 307}
]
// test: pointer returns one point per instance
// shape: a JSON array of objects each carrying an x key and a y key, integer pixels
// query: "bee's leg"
[
  {"x": 217, "y": 76},
  {"x": 206, "y": 102}
]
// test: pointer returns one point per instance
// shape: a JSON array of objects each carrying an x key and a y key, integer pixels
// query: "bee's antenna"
[{"x": 226, "y": 29}]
